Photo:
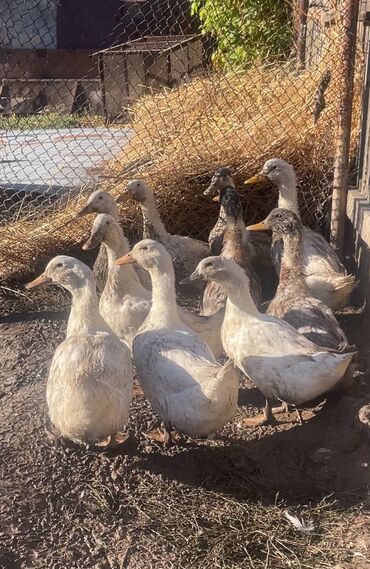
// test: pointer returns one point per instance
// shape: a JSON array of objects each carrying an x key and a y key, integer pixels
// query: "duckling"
[
  {"x": 125, "y": 303},
  {"x": 236, "y": 246},
  {"x": 90, "y": 383},
  {"x": 185, "y": 252},
  {"x": 100, "y": 202},
  {"x": 293, "y": 301},
  {"x": 281, "y": 362},
  {"x": 326, "y": 277},
  {"x": 260, "y": 243},
  {"x": 177, "y": 371}
]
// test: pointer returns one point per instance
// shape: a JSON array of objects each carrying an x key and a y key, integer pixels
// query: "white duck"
[
  {"x": 125, "y": 303},
  {"x": 185, "y": 252},
  {"x": 325, "y": 275},
  {"x": 103, "y": 202},
  {"x": 100, "y": 202},
  {"x": 89, "y": 388},
  {"x": 282, "y": 363},
  {"x": 177, "y": 371}
]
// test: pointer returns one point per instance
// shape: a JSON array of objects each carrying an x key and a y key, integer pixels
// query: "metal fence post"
[
  {"x": 349, "y": 17},
  {"x": 301, "y": 31}
]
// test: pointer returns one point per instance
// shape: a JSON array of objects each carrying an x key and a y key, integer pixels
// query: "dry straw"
[{"x": 238, "y": 119}]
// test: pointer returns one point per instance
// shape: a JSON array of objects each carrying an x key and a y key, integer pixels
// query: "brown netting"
[{"x": 236, "y": 119}]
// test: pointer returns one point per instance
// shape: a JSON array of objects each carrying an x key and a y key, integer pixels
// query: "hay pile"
[{"x": 182, "y": 135}]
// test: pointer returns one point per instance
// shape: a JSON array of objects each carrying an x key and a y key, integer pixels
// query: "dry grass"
[{"x": 182, "y": 135}]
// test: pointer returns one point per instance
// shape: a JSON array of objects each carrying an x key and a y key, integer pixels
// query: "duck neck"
[
  {"x": 292, "y": 269},
  {"x": 239, "y": 299},
  {"x": 114, "y": 211},
  {"x": 121, "y": 280},
  {"x": 153, "y": 225},
  {"x": 85, "y": 316},
  {"x": 234, "y": 239},
  {"x": 221, "y": 216},
  {"x": 163, "y": 312},
  {"x": 288, "y": 197}
]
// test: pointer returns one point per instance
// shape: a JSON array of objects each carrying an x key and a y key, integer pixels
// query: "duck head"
[
  {"x": 102, "y": 229},
  {"x": 218, "y": 269},
  {"x": 276, "y": 171},
  {"x": 65, "y": 271},
  {"x": 149, "y": 254},
  {"x": 229, "y": 199},
  {"x": 221, "y": 178},
  {"x": 281, "y": 221},
  {"x": 137, "y": 190},
  {"x": 98, "y": 202}
]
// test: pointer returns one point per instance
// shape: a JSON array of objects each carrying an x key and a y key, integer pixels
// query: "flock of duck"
[{"x": 294, "y": 352}]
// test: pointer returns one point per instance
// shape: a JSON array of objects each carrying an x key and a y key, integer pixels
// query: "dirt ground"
[{"x": 208, "y": 504}]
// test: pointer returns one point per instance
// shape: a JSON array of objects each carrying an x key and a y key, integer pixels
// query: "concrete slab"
[{"x": 49, "y": 161}]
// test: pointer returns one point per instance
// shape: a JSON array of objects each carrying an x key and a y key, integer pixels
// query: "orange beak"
[
  {"x": 257, "y": 179},
  {"x": 42, "y": 279},
  {"x": 216, "y": 198},
  {"x": 261, "y": 226},
  {"x": 125, "y": 260}
]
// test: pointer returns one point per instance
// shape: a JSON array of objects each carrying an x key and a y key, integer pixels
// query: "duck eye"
[
  {"x": 138, "y": 184},
  {"x": 207, "y": 265},
  {"x": 59, "y": 265},
  {"x": 108, "y": 223},
  {"x": 100, "y": 197},
  {"x": 144, "y": 247}
]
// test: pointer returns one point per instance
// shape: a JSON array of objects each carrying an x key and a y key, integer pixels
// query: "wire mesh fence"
[{"x": 96, "y": 93}]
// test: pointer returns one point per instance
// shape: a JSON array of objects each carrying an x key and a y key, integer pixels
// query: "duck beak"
[
  {"x": 257, "y": 179},
  {"x": 195, "y": 276},
  {"x": 42, "y": 279},
  {"x": 261, "y": 226},
  {"x": 81, "y": 212},
  {"x": 125, "y": 260},
  {"x": 124, "y": 197},
  {"x": 211, "y": 190},
  {"x": 216, "y": 198},
  {"x": 91, "y": 243}
]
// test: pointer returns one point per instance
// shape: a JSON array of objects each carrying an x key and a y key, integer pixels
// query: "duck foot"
[
  {"x": 159, "y": 435},
  {"x": 138, "y": 392},
  {"x": 284, "y": 408},
  {"x": 52, "y": 433},
  {"x": 113, "y": 441},
  {"x": 162, "y": 434},
  {"x": 265, "y": 418}
]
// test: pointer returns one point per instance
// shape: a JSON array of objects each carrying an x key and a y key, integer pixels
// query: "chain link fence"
[{"x": 95, "y": 93}]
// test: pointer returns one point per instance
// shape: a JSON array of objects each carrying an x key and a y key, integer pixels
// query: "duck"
[
  {"x": 222, "y": 178},
  {"x": 236, "y": 246},
  {"x": 282, "y": 363},
  {"x": 260, "y": 243},
  {"x": 125, "y": 302},
  {"x": 103, "y": 202},
  {"x": 100, "y": 202},
  {"x": 293, "y": 301},
  {"x": 326, "y": 276},
  {"x": 185, "y": 251},
  {"x": 90, "y": 383},
  {"x": 177, "y": 371}
]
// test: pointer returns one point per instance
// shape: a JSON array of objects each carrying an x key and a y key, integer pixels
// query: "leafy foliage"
[{"x": 245, "y": 30}]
